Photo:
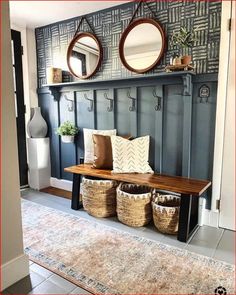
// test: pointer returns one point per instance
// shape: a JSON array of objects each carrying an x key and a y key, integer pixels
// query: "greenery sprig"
[
  {"x": 183, "y": 38},
  {"x": 67, "y": 128}
]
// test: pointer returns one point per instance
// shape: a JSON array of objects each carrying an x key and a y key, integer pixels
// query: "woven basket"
[
  {"x": 99, "y": 197},
  {"x": 134, "y": 204},
  {"x": 166, "y": 213}
]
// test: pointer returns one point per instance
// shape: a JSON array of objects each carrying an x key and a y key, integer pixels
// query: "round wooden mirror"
[
  {"x": 84, "y": 55},
  {"x": 142, "y": 45}
]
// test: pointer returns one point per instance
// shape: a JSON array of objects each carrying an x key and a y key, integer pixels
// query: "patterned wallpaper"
[{"x": 204, "y": 16}]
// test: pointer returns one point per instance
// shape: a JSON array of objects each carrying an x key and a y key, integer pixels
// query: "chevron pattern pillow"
[{"x": 130, "y": 156}]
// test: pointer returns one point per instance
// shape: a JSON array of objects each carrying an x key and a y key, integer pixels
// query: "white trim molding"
[
  {"x": 61, "y": 183},
  {"x": 14, "y": 270},
  {"x": 210, "y": 218},
  {"x": 206, "y": 216}
]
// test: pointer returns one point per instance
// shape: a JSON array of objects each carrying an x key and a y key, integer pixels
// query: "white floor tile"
[
  {"x": 61, "y": 282},
  {"x": 201, "y": 247},
  {"x": 79, "y": 290},
  {"x": 48, "y": 287},
  {"x": 40, "y": 270},
  {"x": 225, "y": 250},
  {"x": 210, "y": 234}
]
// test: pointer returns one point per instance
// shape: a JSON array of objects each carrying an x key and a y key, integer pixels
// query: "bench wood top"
[{"x": 177, "y": 184}]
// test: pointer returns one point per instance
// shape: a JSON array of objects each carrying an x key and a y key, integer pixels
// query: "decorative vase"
[
  {"x": 176, "y": 61},
  {"x": 37, "y": 126},
  {"x": 172, "y": 58},
  {"x": 67, "y": 138},
  {"x": 186, "y": 59}
]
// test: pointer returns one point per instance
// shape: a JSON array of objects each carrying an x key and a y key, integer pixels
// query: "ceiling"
[{"x": 34, "y": 14}]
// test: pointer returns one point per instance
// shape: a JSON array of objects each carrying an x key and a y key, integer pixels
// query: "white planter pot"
[{"x": 67, "y": 138}]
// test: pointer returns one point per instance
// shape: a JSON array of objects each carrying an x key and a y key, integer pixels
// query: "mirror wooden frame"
[
  {"x": 70, "y": 48},
  {"x": 124, "y": 36}
]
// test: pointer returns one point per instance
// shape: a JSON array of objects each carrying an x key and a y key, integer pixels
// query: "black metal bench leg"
[
  {"x": 188, "y": 217},
  {"x": 75, "y": 202}
]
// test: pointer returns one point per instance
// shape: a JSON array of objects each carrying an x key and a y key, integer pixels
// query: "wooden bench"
[{"x": 189, "y": 189}]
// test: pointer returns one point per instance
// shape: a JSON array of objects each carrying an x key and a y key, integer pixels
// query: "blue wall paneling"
[
  {"x": 85, "y": 110},
  {"x": 166, "y": 107},
  {"x": 66, "y": 114},
  {"x": 203, "y": 134},
  {"x": 173, "y": 130},
  {"x": 105, "y": 111}
]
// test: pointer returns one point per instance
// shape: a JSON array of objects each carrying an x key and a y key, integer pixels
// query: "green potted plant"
[
  {"x": 67, "y": 131},
  {"x": 183, "y": 39}
]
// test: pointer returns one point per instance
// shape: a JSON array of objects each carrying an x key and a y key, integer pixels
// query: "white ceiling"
[{"x": 34, "y": 14}]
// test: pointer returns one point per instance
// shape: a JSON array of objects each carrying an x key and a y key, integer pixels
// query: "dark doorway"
[{"x": 17, "y": 51}]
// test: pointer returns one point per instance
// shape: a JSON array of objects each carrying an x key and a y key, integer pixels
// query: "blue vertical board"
[
  {"x": 123, "y": 118},
  {"x": 68, "y": 150},
  {"x": 50, "y": 112},
  {"x": 147, "y": 119},
  {"x": 187, "y": 124},
  {"x": 85, "y": 117},
  {"x": 173, "y": 130},
  {"x": 158, "y": 95},
  {"x": 105, "y": 109},
  {"x": 203, "y": 133}
]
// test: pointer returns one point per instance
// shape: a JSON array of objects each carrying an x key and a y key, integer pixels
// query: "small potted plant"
[
  {"x": 183, "y": 39},
  {"x": 67, "y": 131}
]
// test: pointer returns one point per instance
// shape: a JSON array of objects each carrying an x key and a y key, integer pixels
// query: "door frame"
[
  {"x": 221, "y": 108},
  {"x": 18, "y": 78},
  {"x": 228, "y": 167}
]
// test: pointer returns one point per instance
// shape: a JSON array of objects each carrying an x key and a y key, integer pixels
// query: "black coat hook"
[
  {"x": 70, "y": 104},
  {"x": 90, "y": 108},
  {"x": 158, "y": 105},
  {"x": 111, "y": 101},
  {"x": 132, "y": 107}
]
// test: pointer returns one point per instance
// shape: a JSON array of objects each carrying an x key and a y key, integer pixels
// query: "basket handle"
[{"x": 154, "y": 195}]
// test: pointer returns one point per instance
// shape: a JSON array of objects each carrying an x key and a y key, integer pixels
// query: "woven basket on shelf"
[
  {"x": 134, "y": 204},
  {"x": 166, "y": 213},
  {"x": 99, "y": 197}
]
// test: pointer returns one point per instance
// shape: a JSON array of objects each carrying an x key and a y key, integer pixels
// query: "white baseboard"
[
  {"x": 61, "y": 183},
  {"x": 210, "y": 218},
  {"x": 14, "y": 270}
]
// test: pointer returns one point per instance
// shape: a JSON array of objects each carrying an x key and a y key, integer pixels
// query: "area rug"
[{"x": 104, "y": 260}]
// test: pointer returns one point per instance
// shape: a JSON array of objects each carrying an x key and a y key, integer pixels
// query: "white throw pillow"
[
  {"x": 88, "y": 142},
  {"x": 130, "y": 156}
]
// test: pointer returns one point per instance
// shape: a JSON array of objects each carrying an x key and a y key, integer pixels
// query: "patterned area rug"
[{"x": 104, "y": 260}]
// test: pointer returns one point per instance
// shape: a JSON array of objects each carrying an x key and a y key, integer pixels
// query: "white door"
[{"x": 227, "y": 203}]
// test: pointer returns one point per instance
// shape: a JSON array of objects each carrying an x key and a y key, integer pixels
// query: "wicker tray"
[
  {"x": 182, "y": 67},
  {"x": 99, "y": 197},
  {"x": 134, "y": 204},
  {"x": 166, "y": 213}
]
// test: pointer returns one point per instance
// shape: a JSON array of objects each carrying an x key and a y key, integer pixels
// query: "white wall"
[{"x": 14, "y": 263}]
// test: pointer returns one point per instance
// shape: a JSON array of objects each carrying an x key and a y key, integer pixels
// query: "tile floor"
[{"x": 209, "y": 241}]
